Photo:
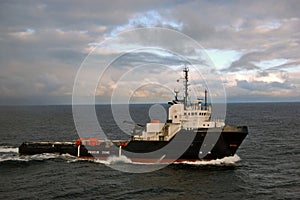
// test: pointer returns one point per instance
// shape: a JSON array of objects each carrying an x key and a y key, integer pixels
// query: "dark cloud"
[
  {"x": 245, "y": 62},
  {"x": 244, "y": 85},
  {"x": 42, "y": 43},
  {"x": 264, "y": 86},
  {"x": 75, "y": 15},
  {"x": 67, "y": 56},
  {"x": 140, "y": 58}
]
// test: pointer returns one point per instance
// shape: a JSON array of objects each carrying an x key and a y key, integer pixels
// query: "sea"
[{"x": 266, "y": 166}]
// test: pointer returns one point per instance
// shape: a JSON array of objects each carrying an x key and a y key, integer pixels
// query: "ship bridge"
[{"x": 182, "y": 114}]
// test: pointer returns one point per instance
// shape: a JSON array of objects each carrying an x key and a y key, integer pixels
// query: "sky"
[{"x": 254, "y": 46}]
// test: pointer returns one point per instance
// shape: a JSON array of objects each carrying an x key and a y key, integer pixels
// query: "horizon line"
[{"x": 144, "y": 103}]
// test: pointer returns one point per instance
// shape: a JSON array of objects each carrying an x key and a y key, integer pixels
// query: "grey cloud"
[
  {"x": 262, "y": 73},
  {"x": 41, "y": 45},
  {"x": 245, "y": 85},
  {"x": 135, "y": 59},
  {"x": 73, "y": 15},
  {"x": 234, "y": 25},
  {"x": 245, "y": 62},
  {"x": 62, "y": 30},
  {"x": 263, "y": 86},
  {"x": 68, "y": 56}
]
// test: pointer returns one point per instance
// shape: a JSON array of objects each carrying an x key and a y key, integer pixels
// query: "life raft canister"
[
  {"x": 94, "y": 141},
  {"x": 88, "y": 141}
]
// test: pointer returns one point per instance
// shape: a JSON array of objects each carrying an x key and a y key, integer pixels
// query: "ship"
[{"x": 190, "y": 133}]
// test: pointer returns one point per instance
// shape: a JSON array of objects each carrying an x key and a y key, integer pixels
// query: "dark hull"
[{"x": 151, "y": 151}]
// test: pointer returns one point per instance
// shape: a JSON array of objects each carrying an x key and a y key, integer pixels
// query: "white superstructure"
[{"x": 182, "y": 114}]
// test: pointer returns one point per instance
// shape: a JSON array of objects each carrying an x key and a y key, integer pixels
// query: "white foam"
[
  {"x": 118, "y": 159},
  {"x": 231, "y": 160},
  {"x": 11, "y": 157},
  {"x": 44, "y": 156},
  {"x": 7, "y": 149},
  {"x": 111, "y": 160},
  {"x": 11, "y": 154},
  {"x": 72, "y": 159}
]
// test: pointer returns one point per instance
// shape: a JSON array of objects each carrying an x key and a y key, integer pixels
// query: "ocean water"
[{"x": 267, "y": 164}]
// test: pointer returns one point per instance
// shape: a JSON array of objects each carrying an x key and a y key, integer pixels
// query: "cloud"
[
  {"x": 255, "y": 44},
  {"x": 148, "y": 19},
  {"x": 263, "y": 86}
]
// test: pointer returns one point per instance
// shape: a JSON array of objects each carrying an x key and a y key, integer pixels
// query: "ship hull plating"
[{"x": 177, "y": 149}]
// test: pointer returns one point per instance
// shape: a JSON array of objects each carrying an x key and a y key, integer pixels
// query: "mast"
[
  {"x": 205, "y": 100},
  {"x": 185, "y": 83}
]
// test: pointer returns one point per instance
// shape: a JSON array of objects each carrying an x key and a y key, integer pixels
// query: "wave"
[
  {"x": 8, "y": 153},
  {"x": 230, "y": 160},
  {"x": 111, "y": 160},
  {"x": 8, "y": 149},
  {"x": 38, "y": 157}
]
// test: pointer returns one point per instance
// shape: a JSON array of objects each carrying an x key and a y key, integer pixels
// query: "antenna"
[
  {"x": 176, "y": 90},
  {"x": 205, "y": 100},
  {"x": 185, "y": 83}
]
